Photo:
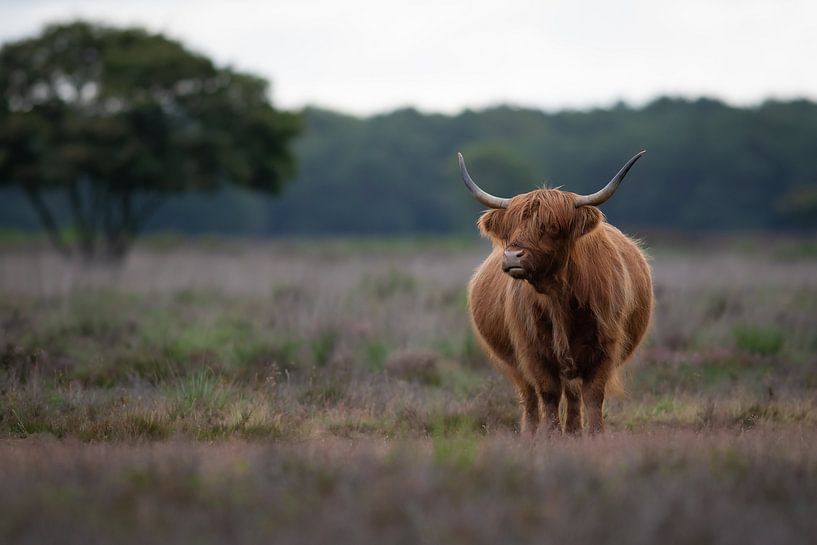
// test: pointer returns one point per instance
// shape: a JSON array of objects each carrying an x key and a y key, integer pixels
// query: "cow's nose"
[{"x": 514, "y": 254}]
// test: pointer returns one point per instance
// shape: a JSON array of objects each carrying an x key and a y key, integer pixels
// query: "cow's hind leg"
[
  {"x": 549, "y": 398},
  {"x": 550, "y": 394},
  {"x": 593, "y": 395},
  {"x": 573, "y": 412},
  {"x": 529, "y": 402}
]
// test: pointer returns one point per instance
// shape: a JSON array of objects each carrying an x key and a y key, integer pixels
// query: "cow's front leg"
[
  {"x": 549, "y": 391},
  {"x": 601, "y": 362}
]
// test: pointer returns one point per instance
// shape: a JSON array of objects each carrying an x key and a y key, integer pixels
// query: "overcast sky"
[{"x": 367, "y": 56}]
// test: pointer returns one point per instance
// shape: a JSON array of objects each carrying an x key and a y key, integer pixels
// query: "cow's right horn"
[
  {"x": 600, "y": 196},
  {"x": 485, "y": 198}
]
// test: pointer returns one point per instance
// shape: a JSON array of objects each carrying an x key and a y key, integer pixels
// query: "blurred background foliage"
[{"x": 710, "y": 166}]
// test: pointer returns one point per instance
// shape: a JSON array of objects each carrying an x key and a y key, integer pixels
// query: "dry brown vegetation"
[
  {"x": 665, "y": 487},
  {"x": 307, "y": 392}
]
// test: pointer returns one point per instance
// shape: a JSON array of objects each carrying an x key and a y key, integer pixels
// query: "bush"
[
  {"x": 765, "y": 342},
  {"x": 414, "y": 365}
]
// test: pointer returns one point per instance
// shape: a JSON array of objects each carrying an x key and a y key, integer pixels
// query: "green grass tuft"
[{"x": 762, "y": 341}]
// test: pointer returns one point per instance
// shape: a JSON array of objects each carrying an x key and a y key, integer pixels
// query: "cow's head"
[{"x": 537, "y": 229}]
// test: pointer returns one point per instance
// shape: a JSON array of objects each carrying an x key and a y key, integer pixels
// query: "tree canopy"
[
  {"x": 709, "y": 166},
  {"x": 116, "y": 120}
]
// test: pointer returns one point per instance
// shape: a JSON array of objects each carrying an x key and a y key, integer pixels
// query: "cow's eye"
[{"x": 552, "y": 229}]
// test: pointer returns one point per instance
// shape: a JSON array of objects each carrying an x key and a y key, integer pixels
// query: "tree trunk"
[{"x": 47, "y": 219}]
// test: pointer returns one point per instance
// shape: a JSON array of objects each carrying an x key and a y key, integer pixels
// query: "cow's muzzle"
[{"x": 513, "y": 264}]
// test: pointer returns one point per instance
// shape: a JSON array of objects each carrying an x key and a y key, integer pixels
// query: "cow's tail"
[{"x": 615, "y": 384}]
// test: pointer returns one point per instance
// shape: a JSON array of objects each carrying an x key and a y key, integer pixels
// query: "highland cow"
[{"x": 561, "y": 302}]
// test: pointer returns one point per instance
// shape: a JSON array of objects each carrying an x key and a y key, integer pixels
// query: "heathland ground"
[{"x": 297, "y": 391}]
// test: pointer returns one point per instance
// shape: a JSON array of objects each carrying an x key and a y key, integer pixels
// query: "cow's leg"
[
  {"x": 599, "y": 363},
  {"x": 549, "y": 393},
  {"x": 525, "y": 392},
  {"x": 529, "y": 402},
  {"x": 573, "y": 414},
  {"x": 549, "y": 399},
  {"x": 593, "y": 396}
]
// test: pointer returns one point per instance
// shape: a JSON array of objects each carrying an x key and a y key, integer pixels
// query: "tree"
[{"x": 115, "y": 120}]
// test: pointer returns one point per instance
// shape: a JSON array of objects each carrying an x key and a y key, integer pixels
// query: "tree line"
[
  {"x": 204, "y": 143},
  {"x": 709, "y": 166}
]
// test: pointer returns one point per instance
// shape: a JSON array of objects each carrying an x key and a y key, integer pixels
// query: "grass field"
[{"x": 305, "y": 392}]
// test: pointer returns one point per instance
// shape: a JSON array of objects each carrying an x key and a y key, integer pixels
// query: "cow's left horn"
[
  {"x": 607, "y": 191},
  {"x": 485, "y": 198}
]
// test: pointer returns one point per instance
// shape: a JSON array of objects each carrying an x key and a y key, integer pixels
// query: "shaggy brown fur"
[{"x": 575, "y": 317}]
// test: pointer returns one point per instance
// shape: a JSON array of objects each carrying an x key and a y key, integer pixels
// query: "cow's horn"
[
  {"x": 485, "y": 198},
  {"x": 607, "y": 191}
]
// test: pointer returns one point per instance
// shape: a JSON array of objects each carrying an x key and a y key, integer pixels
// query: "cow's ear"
[
  {"x": 491, "y": 224},
  {"x": 587, "y": 218}
]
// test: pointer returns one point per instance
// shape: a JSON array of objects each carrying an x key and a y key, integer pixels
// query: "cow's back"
[{"x": 640, "y": 301}]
